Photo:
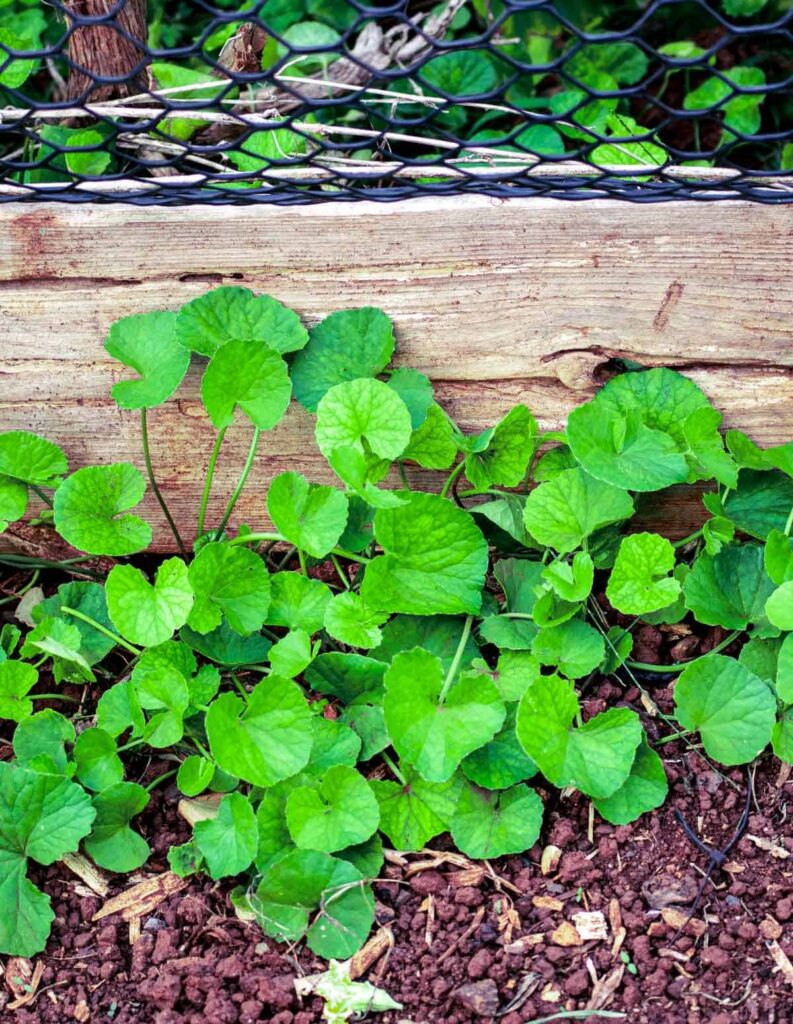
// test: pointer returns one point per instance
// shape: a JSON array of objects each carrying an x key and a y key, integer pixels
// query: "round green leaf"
[
  {"x": 415, "y": 390},
  {"x": 515, "y": 672},
  {"x": 434, "y": 562},
  {"x": 40, "y": 742},
  {"x": 231, "y": 313},
  {"x": 441, "y": 635},
  {"x": 729, "y": 588},
  {"x": 89, "y": 506},
  {"x": 507, "y": 634},
  {"x": 351, "y": 621},
  {"x": 231, "y": 582},
  {"x": 595, "y": 757},
  {"x": 92, "y": 161},
  {"x": 784, "y": 673},
  {"x": 363, "y": 410},
  {"x": 112, "y": 844},
  {"x": 631, "y": 434},
  {"x": 229, "y": 841},
  {"x": 226, "y": 647},
  {"x": 761, "y": 656},
  {"x": 98, "y": 763},
  {"x": 185, "y": 860},
  {"x": 31, "y": 459},
  {"x": 779, "y": 607},
  {"x": 414, "y": 811},
  {"x": 57, "y": 814},
  {"x": 339, "y": 811},
  {"x": 644, "y": 789},
  {"x": 624, "y": 451},
  {"x": 291, "y": 654},
  {"x": 733, "y": 710},
  {"x": 496, "y": 824},
  {"x": 575, "y": 648},
  {"x": 147, "y": 344},
  {"x": 16, "y": 680},
  {"x": 250, "y": 375},
  {"x": 761, "y": 503},
  {"x": 88, "y": 598},
  {"x": 161, "y": 687},
  {"x": 274, "y": 838},
  {"x": 298, "y": 602},
  {"x": 361, "y": 471},
  {"x": 345, "y": 916},
  {"x": 502, "y": 762},
  {"x": 42, "y": 817},
  {"x": 335, "y": 743},
  {"x": 194, "y": 775},
  {"x": 15, "y": 71},
  {"x": 571, "y": 581},
  {"x": 118, "y": 709},
  {"x": 345, "y": 345},
  {"x": 433, "y": 445},
  {"x": 431, "y": 735},
  {"x": 566, "y": 509},
  {"x": 501, "y": 456},
  {"x": 310, "y": 516},
  {"x": 353, "y": 678},
  {"x": 367, "y": 721},
  {"x": 265, "y": 741},
  {"x": 60, "y": 641},
  {"x": 778, "y": 557},
  {"x": 619, "y": 644},
  {"x": 149, "y": 614},
  {"x": 13, "y": 501},
  {"x": 25, "y": 931},
  {"x": 304, "y": 881},
  {"x": 639, "y": 581},
  {"x": 367, "y": 857},
  {"x": 782, "y": 737}
]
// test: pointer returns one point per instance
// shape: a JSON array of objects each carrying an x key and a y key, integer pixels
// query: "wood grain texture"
[
  {"x": 112, "y": 50},
  {"x": 498, "y": 301}
]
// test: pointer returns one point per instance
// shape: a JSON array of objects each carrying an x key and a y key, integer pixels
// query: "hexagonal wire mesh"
[{"x": 294, "y": 101}]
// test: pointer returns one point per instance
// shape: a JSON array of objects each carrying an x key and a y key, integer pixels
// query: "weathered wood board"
[{"x": 498, "y": 301}]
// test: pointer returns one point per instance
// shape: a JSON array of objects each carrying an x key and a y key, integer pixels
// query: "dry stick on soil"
[
  {"x": 380, "y": 943},
  {"x": 88, "y": 872},
  {"x": 732, "y": 1003},
  {"x": 141, "y": 899},
  {"x": 528, "y": 986},
  {"x": 605, "y": 989},
  {"x": 31, "y": 987},
  {"x": 781, "y": 959},
  {"x": 469, "y": 931}
]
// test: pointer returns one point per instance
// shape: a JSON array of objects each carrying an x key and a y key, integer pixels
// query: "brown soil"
[
  {"x": 468, "y": 942},
  {"x": 473, "y": 945}
]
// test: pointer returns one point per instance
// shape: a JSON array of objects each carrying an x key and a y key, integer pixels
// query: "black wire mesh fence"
[{"x": 308, "y": 100}]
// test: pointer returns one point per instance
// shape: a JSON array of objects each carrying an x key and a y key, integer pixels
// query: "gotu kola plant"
[{"x": 431, "y": 680}]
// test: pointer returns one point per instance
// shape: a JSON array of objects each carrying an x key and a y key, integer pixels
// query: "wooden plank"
[{"x": 498, "y": 301}]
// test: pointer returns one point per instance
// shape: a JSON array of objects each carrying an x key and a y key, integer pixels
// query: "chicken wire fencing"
[{"x": 295, "y": 101}]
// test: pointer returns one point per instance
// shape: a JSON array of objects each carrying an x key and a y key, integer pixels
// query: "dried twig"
[
  {"x": 475, "y": 922},
  {"x": 380, "y": 943},
  {"x": 142, "y": 898}
]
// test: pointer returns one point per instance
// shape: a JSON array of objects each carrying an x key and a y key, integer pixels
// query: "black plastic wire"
[{"x": 395, "y": 100}]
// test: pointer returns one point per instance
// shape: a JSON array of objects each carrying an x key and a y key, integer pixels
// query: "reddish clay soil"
[
  {"x": 472, "y": 944},
  {"x": 469, "y": 945}
]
